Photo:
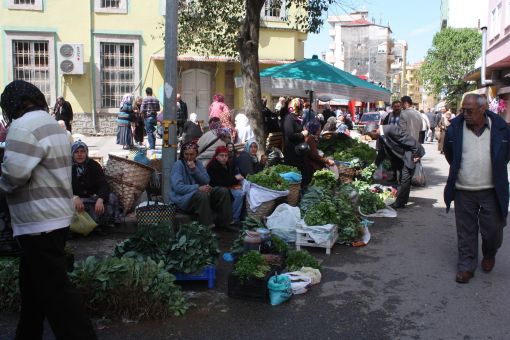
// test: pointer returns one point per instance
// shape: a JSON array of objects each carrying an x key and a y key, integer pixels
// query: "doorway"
[{"x": 196, "y": 92}]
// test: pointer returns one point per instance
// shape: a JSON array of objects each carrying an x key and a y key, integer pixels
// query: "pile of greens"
[
  {"x": 128, "y": 288},
  {"x": 324, "y": 179},
  {"x": 321, "y": 213},
  {"x": 335, "y": 143},
  {"x": 358, "y": 150},
  {"x": 249, "y": 223},
  {"x": 191, "y": 249},
  {"x": 296, "y": 259},
  {"x": 251, "y": 265},
  {"x": 269, "y": 178},
  {"x": 312, "y": 195},
  {"x": 369, "y": 202},
  {"x": 367, "y": 173},
  {"x": 9, "y": 284},
  {"x": 349, "y": 227},
  {"x": 282, "y": 168}
]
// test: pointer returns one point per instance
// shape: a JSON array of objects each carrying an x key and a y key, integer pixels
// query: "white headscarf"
[
  {"x": 193, "y": 117},
  {"x": 244, "y": 131}
]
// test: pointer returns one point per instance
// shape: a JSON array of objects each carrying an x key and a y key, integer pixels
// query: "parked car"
[{"x": 369, "y": 121}]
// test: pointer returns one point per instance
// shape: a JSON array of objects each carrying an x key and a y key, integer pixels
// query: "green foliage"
[
  {"x": 124, "y": 287},
  {"x": 367, "y": 173},
  {"x": 324, "y": 179},
  {"x": 369, "y": 201},
  {"x": 279, "y": 246},
  {"x": 453, "y": 53},
  {"x": 192, "y": 248},
  {"x": 321, "y": 213},
  {"x": 357, "y": 150},
  {"x": 9, "y": 284},
  {"x": 269, "y": 178},
  {"x": 349, "y": 228},
  {"x": 336, "y": 143},
  {"x": 249, "y": 223},
  {"x": 301, "y": 258},
  {"x": 283, "y": 168},
  {"x": 251, "y": 265},
  {"x": 312, "y": 196}
]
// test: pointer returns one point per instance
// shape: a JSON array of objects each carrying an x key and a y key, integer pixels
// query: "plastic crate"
[
  {"x": 304, "y": 239},
  {"x": 251, "y": 289},
  {"x": 208, "y": 274}
]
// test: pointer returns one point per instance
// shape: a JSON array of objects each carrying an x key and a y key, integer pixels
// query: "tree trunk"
[{"x": 248, "y": 47}]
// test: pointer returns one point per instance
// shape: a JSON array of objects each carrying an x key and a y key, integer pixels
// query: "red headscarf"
[{"x": 219, "y": 149}]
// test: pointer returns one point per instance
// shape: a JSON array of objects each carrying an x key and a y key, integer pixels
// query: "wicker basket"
[
  {"x": 127, "y": 179},
  {"x": 294, "y": 194},
  {"x": 346, "y": 174},
  {"x": 156, "y": 164},
  {"x": 263, "y": 210}
]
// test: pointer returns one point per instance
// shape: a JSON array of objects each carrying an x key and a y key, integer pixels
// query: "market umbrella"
[{"x": 301, "y": 77}]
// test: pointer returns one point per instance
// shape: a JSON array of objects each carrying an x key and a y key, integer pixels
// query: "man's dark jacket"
[
  {"x": 399, "y": 145},
  {"x": 500, "y": 155},
  {"x": 182, "y": 112}
]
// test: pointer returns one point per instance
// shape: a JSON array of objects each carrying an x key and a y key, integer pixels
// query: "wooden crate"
[
  {"x": 303, "y": 239},
  {"x": 275, "y": 139}
]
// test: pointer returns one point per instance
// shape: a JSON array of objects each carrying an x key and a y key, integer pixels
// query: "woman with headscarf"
[
  {"x": 443, "y": 125},
  {"x": 191, "y": 130},
  {"x": 124, "y": 118},
  {"x": 243, "y": 128},
  {"x": 219, "y": 109},
  {"x": 207, "y": 144},
  {"x": 91, "y": 192},
  {"x": 139, "y": 121},
  {"x": 248, "y": 162},
  {"x": 330, "y": 126},
  {"x": 222, "y": 174},
  {"x": 191, "y": 192},
  {"x": 312, "y": 160},
  {"x": 293, "y": 133}
]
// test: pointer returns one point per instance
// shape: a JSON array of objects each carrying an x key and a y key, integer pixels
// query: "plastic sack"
[
  {"x": 283, "y": 222},
  {"x": 82, "y": 223},
  {"x": 274, "y": 156},
  {"x": 379, "y": 173},
  {"x": 280, "y": 289},
  {"x": 299, "y": 282},
  {"x": 419, "y": 179},
  {"x": 314, "y": 274},
  {"x": 292, "y": 177}
]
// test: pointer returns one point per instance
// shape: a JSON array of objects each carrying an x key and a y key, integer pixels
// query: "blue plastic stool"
[{"x": 208, "y": 274}]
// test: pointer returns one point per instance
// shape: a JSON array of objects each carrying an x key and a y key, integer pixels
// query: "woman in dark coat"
[
  {"x": 191, "y": 130},
  {"x": 247, "y": 162},
  {"x": 124, "y": 118},
  {"x": 312, "y": 160},
  {"x": 90, "y": 190},
  {"x": 139, "y": 121},
  {"x": 293, "y": 133},
  {"x": 222, "y": 174}
]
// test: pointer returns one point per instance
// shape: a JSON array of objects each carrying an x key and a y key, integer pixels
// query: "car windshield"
[{"x": 370, "y": 117}]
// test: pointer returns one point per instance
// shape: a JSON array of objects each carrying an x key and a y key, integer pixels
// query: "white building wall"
[{"x": 466, "y": 13}]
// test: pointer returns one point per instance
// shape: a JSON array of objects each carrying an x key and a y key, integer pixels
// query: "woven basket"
[
  {"x": 346, "y": 174},
  {"x": 263, "y": 210},
  {"x": 127, "y": 179},
  {"x": 156, "y": 164},
  {"x": 294, "y": 194}
]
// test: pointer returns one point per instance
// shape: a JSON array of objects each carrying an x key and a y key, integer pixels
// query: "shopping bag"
[
  {"x": 418, "y": 179},
  {"x": 82, "y": 223},
  {"x": 280, "y": 289}
]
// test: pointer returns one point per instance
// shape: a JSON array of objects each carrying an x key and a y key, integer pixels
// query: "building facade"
[
  {"x": 93, "y": 52},
  {"x": 462, "y": 13},
  {"x": 361, "y": 47}
]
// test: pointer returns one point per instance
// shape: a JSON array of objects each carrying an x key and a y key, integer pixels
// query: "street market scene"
[{"x": 224, "y": 169}]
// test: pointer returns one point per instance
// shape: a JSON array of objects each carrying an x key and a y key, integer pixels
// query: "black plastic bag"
[{"x": 274, "y": 156}]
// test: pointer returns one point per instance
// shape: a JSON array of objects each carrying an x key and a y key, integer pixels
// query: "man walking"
[
  {"x": 63, "y": 111},
  {"x": 36, "y": 175},
  {"x": 433, "y": 123},
  {"x": 476, "y": 147},
  {"x": 182, "y": 114},
  {"x": 150, "y": 108}
]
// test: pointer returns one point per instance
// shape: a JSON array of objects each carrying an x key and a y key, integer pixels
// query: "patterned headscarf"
[
  {"x": 80, "y": 167},
  {"x": 313, "y": 126},
  {"x": 188, "y": 146},
  {"x": 126, "y": 99},
  {"x": 296, "y": 106},
  {"x": 20, "y": 97},
  {"x": 215, "y": 125}
]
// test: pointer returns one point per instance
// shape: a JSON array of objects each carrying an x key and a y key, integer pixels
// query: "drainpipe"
[
  {"x": 92, "y": 68},
  {"x": 484, "y": 81}
]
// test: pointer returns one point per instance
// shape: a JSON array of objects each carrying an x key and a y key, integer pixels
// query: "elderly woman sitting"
[
  {"x": 207, "y": 144},
  {"x": 248, "y": 162},
  {"x": 90, "y": 190},
  {"x": 222, "y": 174},
  {"x": 191, "y": 192}
]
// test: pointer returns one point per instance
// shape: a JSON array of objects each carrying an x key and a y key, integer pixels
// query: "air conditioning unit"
[{"x": 70, "y": 59}]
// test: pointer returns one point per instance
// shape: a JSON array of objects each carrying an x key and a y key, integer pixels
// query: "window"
[
  {"x": 32, "y": 58},
  {"x": 110, "y": 6},
  {"x": 493, "y": 29},
  {"x": 33, "y": 5},
  {"x": 274, "y": 9},
  {"x": 118, "y": 64}
]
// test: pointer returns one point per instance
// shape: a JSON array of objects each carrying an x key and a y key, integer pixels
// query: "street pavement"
[{"x": 400, "y": 286}]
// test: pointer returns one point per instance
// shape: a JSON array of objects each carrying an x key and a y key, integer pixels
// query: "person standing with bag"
[{"x": 36, "y": 175}]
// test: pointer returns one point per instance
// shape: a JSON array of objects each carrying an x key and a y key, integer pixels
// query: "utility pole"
[{"x": 169, "y": 153}]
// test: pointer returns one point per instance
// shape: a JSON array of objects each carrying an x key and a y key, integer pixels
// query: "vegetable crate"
[
  {"x": 208, "y": 274},
  {"x": 252, "y": 289},
  {"x": 303, "y": 239}
]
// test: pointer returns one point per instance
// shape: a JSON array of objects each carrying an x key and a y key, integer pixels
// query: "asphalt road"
[{"x": 400, "y": 286}]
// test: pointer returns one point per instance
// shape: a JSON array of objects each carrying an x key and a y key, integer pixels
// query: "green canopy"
[{"x": 301, "y": 77}]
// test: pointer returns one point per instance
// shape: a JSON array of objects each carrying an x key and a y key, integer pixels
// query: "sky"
[{"x": 415, "y": 21}]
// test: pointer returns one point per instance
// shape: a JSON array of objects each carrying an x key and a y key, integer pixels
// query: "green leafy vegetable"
[
  {"x": 269, "y": 178},
  {"x": 251, "y": 264},
  {"x": 324, "y": 179},
  {"x": 301, "y": 258},
  {"x": 282, "y": 168}
]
